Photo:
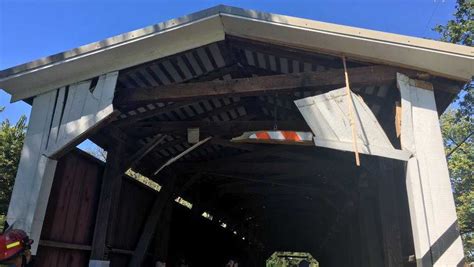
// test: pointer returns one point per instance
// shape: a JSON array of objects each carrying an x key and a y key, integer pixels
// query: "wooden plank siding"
[
  {"x": 68, "y": 228},
  {"x": 135, "y": 204},
  {"x": 70, "y": 215}
]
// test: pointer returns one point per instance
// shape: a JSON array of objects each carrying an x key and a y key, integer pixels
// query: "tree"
[
  {"x": 458, "y": 128},
  {"x": 459, "y": 143},
  {"x": 11, "y": 143},
  {"x": 460, "y": 29}
]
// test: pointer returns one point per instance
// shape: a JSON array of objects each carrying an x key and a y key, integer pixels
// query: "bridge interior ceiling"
[{"x": 280, "y": 197}]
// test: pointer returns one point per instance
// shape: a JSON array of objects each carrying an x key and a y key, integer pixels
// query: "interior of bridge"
[{"x": 250, "y": 199}]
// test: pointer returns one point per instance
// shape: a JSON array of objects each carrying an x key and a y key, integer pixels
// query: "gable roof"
[{"x": 211, "y": 25}]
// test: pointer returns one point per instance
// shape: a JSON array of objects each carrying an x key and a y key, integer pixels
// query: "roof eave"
[
  {"x": 211, "y": 25},
  {"x": 119, "y": 55}
]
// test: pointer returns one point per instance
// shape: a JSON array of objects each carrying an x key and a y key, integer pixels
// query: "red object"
[{"x": 12, "y": 243}]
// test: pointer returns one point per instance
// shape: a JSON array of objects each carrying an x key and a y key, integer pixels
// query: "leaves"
[
  {"x": 458, "y": 129},
  {"x": 458, "y": 132},
  {"x": 459, "y": 30},
  {"x": 11, "y": 143}
]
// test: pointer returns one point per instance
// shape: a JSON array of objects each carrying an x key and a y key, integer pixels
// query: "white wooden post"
[
  {"x": 432, "y": 211},
  {"x": 59, "y": 119}
]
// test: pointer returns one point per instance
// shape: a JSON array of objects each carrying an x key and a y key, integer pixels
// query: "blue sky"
[{"x": 30, "y": 29}]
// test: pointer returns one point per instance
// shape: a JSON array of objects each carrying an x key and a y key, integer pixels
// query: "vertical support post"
[
  {"x": 107, "y": 208},
  {"x": 162, "y": 234},
  {"x": 432, "y": 211},
  {"x": 389, "y": 215},
  {"x": 35, "y": 172},
  {"x": 164, "y": 198}
]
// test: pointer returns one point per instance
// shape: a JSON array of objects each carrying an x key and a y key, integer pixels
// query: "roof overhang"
[{"x": 438, "y": 58}]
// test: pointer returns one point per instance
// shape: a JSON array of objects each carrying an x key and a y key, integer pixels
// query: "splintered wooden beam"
[{"x": 360, "y": 76}]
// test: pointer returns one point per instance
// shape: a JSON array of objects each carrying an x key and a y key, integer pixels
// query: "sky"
[{"x": 30, "y": 29}]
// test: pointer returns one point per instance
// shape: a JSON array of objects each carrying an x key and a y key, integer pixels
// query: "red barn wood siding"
[
  {"x": 72, "y": 208},
  {"x": 135, "y": 203},
  {"x": 71, "y": 211}
]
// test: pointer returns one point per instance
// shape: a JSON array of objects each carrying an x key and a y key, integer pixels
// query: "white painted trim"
[
  {"x": 432, "y": 210},
  {"x": 35, "y": 172},
  {"x": 328, "y": 117},
  {"x": 59, "y": 119},
  {"x": 365, "y": 149},
  {"x": 81, "y": 112}
]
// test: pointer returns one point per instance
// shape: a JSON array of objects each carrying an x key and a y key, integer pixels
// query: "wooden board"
[
  {"x": 70, "y": 215},
  {"x": 373, "y": 75},
  {"x": 328, "y": 116}
]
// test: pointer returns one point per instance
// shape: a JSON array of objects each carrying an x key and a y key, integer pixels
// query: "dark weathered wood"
[
  {"x": 63, "y": 245},
  {"x": 116, "y": 165},
  {"x": 162, "y": 234},
  {"x": 389, "y": 214},
  {"x": 373, "y": 75},
  {"x": 109, "y": 194},
  {"x": 238, "y": 43},
  {"x": 143, "y": 151},
  {"x": 259, "y": 153},
  {"x": 215, "y": 128},
  {"x": 159, "y": 204},
  {"x": 167, "y": 195},
  {"x": 227, "y": 143},
  {"x": 130, "y": 119},
  {"x": 282, "y": 111}
]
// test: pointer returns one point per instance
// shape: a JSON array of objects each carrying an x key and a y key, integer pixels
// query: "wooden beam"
[
  {"x": 259, "y": 152},
  {"x": 388, "y": 202},
  {"x": 227, "y": 143},
  {"x": 360, "y": 76},
  {"x": 116, "y": 165},
  {"x": 162, "y": 235},
  {"x": 63, "y": 245},
  {"x": 130, "y": 119},
  {"x": 110, "y": 190},
  {"x": 240, "y": 44},
  {"x": 143, "y": 151},
  {"x": 215, "y": 128},
  {"x": 165, "y": 197}
]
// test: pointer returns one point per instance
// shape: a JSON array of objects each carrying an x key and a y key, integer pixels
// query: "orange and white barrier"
[{"x": 276, "y": 137}]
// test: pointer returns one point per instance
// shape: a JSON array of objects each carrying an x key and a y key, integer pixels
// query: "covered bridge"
[{"x": 259, "y": 121}]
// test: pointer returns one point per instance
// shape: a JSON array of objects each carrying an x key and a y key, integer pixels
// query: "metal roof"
[{"x": 212, "y": 25}]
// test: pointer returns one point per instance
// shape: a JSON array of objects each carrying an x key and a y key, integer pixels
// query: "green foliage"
[
  {"x": 458, "y": 129},
  {"x": 459, "y": 30},
  {"x": 458, "y": 132},
  {"x": 11, "y": 143},
  {"x": 290, "y": 259}
]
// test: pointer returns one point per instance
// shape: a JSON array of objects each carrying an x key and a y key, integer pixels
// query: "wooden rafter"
[
  {"x": 216, "y": 128},
  {"x": 360, "y": 76},
  {"x": 150, "y": 113}
]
